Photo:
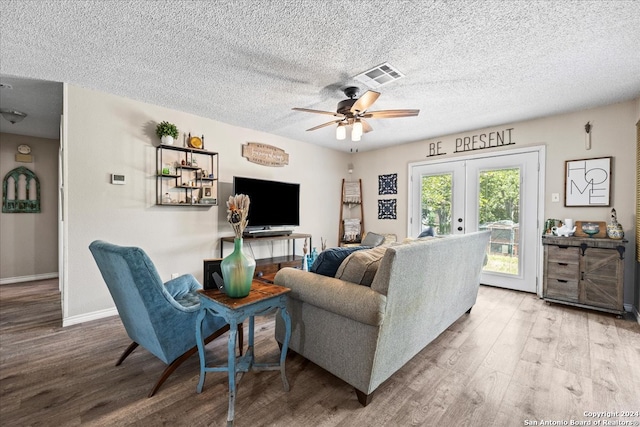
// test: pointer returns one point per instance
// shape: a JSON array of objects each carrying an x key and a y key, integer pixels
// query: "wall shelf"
[{"x": 186, "y": 176}]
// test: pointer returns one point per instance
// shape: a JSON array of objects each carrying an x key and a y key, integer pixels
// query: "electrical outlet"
[
  {"x": 175, "y": 275},
  {"x": 555, "y": 197}
]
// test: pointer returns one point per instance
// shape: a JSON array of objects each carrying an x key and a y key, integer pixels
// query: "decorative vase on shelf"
[
  {"x": 166, "y": 139},
  {"x": 614, "y": 228}
]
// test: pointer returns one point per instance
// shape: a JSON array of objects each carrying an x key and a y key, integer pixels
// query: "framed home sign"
[{"x": 587, "y": 182}]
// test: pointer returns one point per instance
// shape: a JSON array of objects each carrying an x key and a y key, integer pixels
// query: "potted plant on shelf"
[{"x": 167, "y": 132}]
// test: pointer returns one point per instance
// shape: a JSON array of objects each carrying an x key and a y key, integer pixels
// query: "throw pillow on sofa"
[
  {"x": 372, "y": 239},
  {"x": 330, "y": 259},
  {"x": 429, "y": 231},
  {"x": 361, "y": 266}
]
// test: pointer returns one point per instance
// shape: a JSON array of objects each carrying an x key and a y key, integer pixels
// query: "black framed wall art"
[
  {"x": 388, "y": 184},
  {"x": 587, "y": 182},
  {"x": 387, "y": 209}
]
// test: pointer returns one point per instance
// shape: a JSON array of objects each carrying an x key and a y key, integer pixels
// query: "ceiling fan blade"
[
  {"x": 390, "y": 114},
  {"x": 307, "y": 110},
  {"x": 325, "y": 124},
  {"x": 365, "y": 101},
  {"x": 366, "y": 127}
]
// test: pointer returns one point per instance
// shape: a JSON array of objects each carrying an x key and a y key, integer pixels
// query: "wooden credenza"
[{"x": 584, "y": 272}]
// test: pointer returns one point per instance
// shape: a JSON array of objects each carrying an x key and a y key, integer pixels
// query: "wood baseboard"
[
  {"x": 30, "y": 278},
  {"x": 100, "y": 314}
]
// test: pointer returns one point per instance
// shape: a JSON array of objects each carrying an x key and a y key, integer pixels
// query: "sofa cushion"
[
  {"x": 360, "y": 267},
  {"x": 330, "y": 259}
]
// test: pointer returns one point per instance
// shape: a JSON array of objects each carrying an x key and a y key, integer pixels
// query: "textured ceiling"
[{"x": 468, "y": 64}]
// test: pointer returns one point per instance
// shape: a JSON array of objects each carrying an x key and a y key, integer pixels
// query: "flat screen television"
[{"x": 274, "y": 207}]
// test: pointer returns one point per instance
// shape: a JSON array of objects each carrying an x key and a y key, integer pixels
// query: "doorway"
[{"x": 500, "y": 193}]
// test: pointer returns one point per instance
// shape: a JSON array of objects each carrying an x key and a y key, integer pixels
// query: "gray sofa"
[{"x": 362, "y": 334}]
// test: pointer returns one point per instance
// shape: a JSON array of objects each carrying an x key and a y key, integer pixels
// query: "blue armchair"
[{"x": 159, "y": 317}]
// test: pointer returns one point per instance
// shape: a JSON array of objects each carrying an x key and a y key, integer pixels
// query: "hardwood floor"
[{"x": 513, "y": 359}]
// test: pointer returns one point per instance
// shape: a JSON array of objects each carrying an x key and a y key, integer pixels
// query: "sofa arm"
[{"x": 356, "y": 302}]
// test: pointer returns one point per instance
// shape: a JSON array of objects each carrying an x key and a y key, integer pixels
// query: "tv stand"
[{"x": 272, "y": 264}]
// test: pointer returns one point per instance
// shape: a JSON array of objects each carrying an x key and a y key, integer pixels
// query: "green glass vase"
[{"x": 237, "y": 271}]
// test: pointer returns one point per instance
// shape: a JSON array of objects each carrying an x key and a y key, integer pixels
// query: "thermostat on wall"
[{"x": 117, "y": 179}]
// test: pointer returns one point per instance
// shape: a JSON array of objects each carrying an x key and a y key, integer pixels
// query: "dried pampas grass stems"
[{"x": 237, "y": 212}]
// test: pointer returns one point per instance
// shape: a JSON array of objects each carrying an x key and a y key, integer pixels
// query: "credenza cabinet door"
[{"x": 601, "y": 278}]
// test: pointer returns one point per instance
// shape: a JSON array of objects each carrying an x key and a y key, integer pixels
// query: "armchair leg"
[
  {"x": 127, "y": 352},
  {"x": 364, "y": 398},
  {"x": 469, "y": 311},
  {"x": 172, "y": 367}
]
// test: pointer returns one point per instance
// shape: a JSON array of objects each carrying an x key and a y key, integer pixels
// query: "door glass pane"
[
  {"x": 499, "y": 212},
  {"x": 436, "y": 202}
]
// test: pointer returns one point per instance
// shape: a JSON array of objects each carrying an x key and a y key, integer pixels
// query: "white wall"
[
  {"x": 613, "y": 134},
  {"x": 29, "y": 241},
  {"x": 110, "y": 134}
]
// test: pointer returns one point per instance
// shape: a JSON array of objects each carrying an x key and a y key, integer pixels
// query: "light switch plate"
[{"x": 555, "y": 197}]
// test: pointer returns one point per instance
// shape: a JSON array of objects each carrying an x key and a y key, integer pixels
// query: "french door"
[{"x": 499, "y": 193}]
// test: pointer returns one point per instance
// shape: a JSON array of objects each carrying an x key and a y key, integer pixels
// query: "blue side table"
[{"x": 262, "y": 299}]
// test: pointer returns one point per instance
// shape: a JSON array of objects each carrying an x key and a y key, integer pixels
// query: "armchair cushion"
[
  {"x": 360, "y": 267},
  {"x": 185, "y": 284},
  {"x": 183, "y": 290},
  {"x": 330, "y": 259}
]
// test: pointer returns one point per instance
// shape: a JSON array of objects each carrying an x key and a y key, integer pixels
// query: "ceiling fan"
[{"x": 354, "y": 111}]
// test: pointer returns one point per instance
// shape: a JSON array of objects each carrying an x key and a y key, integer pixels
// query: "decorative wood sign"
[
  {"x": 264, "y": 154},
  {"x": 587, "y": 182}
]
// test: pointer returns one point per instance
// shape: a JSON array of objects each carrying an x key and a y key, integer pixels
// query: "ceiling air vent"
[{"x": 379, "y": 76}]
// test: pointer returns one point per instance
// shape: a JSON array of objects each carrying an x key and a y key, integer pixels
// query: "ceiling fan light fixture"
[
  {"x": 12, "y": 116},
  {"x": 341, "y": 131},
  {"x": 354, "y": 112},
  {"x": 356, "y": 132}
]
